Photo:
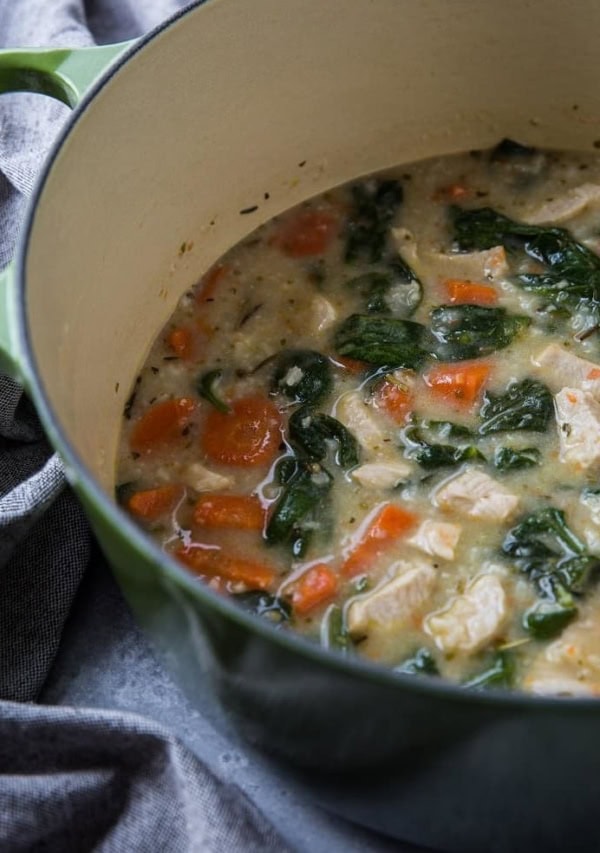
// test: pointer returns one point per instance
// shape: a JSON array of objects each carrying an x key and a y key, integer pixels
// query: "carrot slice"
[
  {"x": 161, "y": 424},
  {"x": 458, "y": 383},
  {"x": 309, "y": 232},
  {"x": 150, "y": 504},
  {"x": 469, "y": 293},
  {"x": 391, "y": 523},
  {"x": 395, "y": 400},
  {"x": 352, "y": 365},
  {"x": 210, "y": 281},
  {"x": 213, "y": 563},
  {"x": 238, "y": 512},
  {"x": 315, "y": 587},
  {"x": 181, "y": 341},
  {"x": 452, "y": 192},
  {"x": 248, "y": 435}
]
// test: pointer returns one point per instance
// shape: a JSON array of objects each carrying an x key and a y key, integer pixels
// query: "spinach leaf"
[
  {"x": 508, "y": 149},
  {"x": 302, "y": 509},
  {"x": 310, "y": 432},
  {"x": 471, "y": 331},
  {"x": 421, "y": 663},
  {"x": 549, "y": 616},
  {"x": 500, "y": 673},
  {"x": 511, "y": 459},
  {"x": 285, "y": 468},
  {"x": 302, "y": 375},
  {"x": 396, "y": 291},
  {"x": 271, "y": 607},
  {"x": 383, "y": 341},
  {"x": 374, "y": 205},
  {"x": 124, "y": 491},
  {"x": 384, "y": 295},
  {"x": 544, "y": 547},
  {"x": 526, "y": 405},
  {"x": 447, "y": 429},
  {"x": 205, "y": 386},
  {"x": 572, "y": 280},
  {"x": 430, "y": 455}
]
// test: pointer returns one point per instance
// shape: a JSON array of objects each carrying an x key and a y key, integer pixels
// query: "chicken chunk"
[
  {"x": 394, "y": 602},
  {"x": 472, "y": 620},
  {"x": 405, "y": 243},
  {"x": 437, "y": 538},
  {"x": 476, "y": 495},
  {"x": 202, "y": 479},
  {"x": 559, "y": 368},
  {"x": 566, "y": 206},
  {"x": 382, "y": 475},
  {"x": 487, "y": 265},
  {"x": 584, "y": 516},
  {"x": 570, "y": 665},
  {"x": 358, "y": 417},
  {"x": 324, "y": 314},
  {"x": 578, "y": 422}
]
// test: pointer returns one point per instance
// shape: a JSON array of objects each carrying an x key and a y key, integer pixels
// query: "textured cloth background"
[{"x": 76, "y": 780}]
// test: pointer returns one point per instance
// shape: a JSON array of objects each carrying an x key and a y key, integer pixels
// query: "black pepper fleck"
[{"x": 249, "y": 210}]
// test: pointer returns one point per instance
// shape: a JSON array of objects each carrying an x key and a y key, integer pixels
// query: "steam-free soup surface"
[{"x": 376, "y": 421}]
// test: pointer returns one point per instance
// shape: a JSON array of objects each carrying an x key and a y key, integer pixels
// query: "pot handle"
[
  {"x": 63, "y": 73},
  {"x": 9, "y": 357}
]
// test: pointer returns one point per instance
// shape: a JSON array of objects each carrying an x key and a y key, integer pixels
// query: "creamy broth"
[{"x": 376, "y": 421}]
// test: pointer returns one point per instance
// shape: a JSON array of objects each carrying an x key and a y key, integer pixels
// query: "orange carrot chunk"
[
  {"x": 307, "y": 233},
  {"x": 237, "y": 512},
  {"x": 248, "y": 435},
  {"x": 213, "y": 563},
  {"x": 352, "y": 365},
  {"x": 468, "y": 293},
  {"x": 315, "y": 587},
  {"x": 395, "y": 401},
  {"x": 452, "y": 192},
  {"x": 181, "y": 342},
  {"x": 150, "y": 504},
  {"x": 459, "y": 383},
  {"x": 210, "y": 281},
  {"x": 391, "y": 523},
  {"x": 161, "y": 424}
]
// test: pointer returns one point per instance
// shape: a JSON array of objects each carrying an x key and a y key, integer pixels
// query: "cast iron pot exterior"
[{"x": 420, "y": 760}]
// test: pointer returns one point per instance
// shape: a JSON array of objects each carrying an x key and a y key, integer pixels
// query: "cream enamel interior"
[{"x": 220, "y": 109}]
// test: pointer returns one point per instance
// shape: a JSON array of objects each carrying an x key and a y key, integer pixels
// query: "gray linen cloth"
[{"x": 76, "y": 780}]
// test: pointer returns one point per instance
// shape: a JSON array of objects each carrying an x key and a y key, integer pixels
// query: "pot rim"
[{"x": 116, "y": 517}]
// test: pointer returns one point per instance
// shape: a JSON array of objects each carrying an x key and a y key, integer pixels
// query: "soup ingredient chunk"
[
  {"x": 396, "y": 601},
  {"x": 578, "y": 421},
  {"x": 477, "y": 495},
  {"x": 247, "y": 435},
  {"x": 471, "y": 620}
]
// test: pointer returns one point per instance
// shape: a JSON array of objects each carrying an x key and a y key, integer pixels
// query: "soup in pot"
[{"x": 376, "y": 421}]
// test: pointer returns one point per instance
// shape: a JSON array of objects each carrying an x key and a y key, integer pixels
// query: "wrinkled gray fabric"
[
  {"x": 92, "y": 780},
  {"x": 76, "y": 780}
]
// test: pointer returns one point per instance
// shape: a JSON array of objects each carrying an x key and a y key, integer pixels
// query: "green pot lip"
[{"x": 78, "y": 473}]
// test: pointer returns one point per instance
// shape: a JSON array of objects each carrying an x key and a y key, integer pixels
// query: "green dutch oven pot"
[{"x": 150, "y": 181}]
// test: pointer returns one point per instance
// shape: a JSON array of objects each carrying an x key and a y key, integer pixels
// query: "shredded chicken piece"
[
  {"x": 476, "y": 495},
  {"x": 470, "y": 621},
  {"x": 578, "y": 422},
  {"x": 437, "y": 538},
  {"x": 358, "y": 417},
  {"x": 566, "y": 206},
  {"x": 559, "y": 368},
  {"x": 382, "y": 475},
  {"x": 392, "y": 604}
]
